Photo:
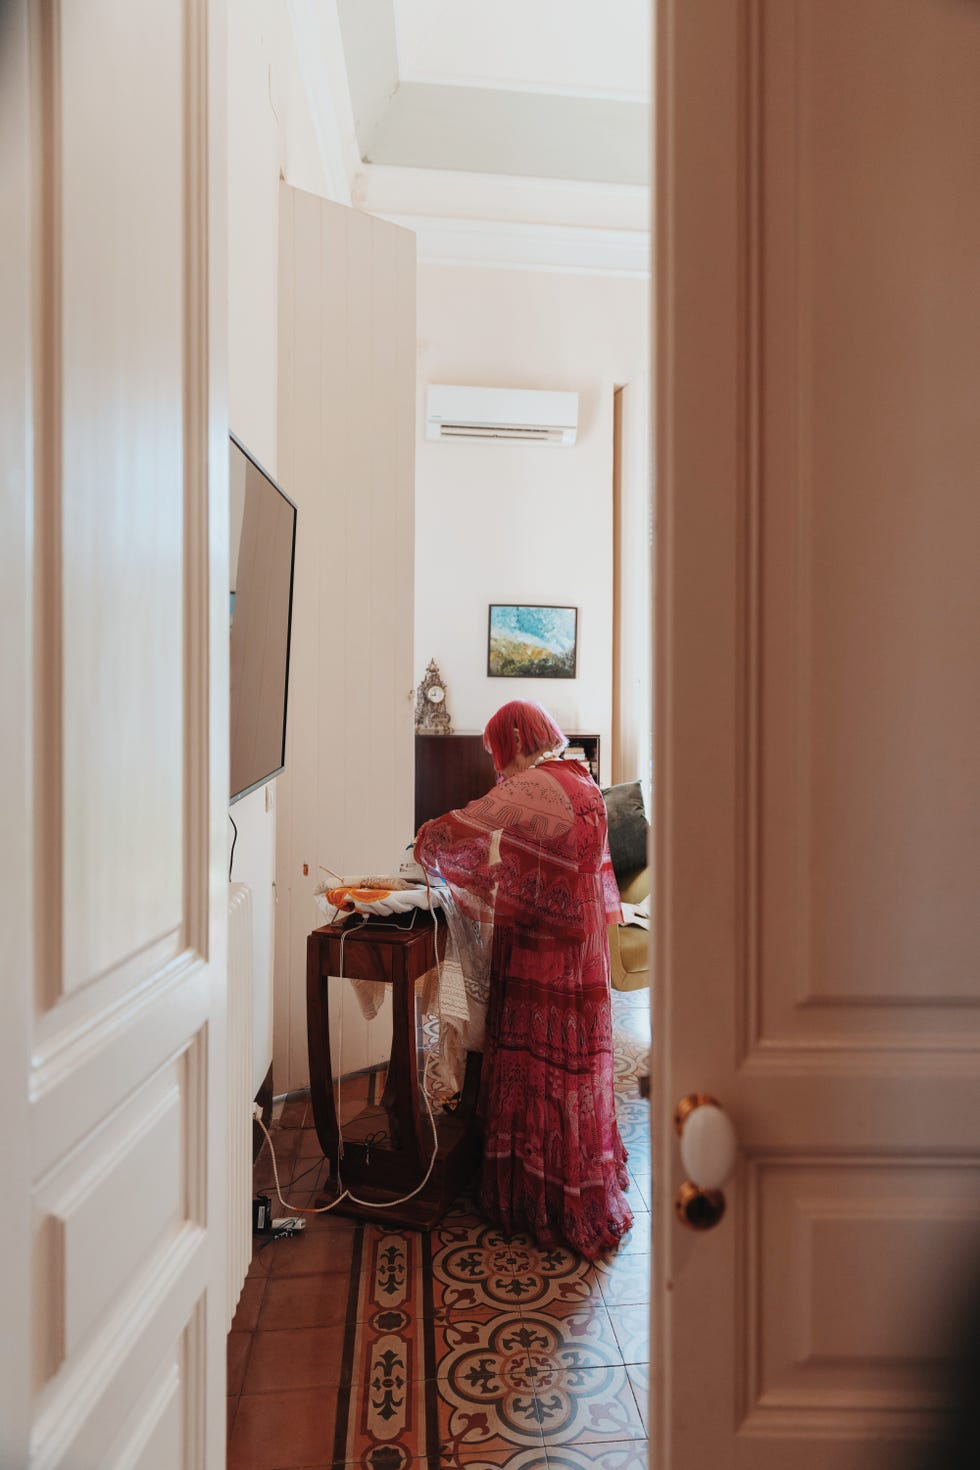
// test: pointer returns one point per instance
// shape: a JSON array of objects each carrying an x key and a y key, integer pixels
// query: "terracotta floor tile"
[
  {"x": 314, "y": 1253},
  {"x": 232, "y": 1411},
  {"x": 309, "y": 1143},
  {"x": 588, "y": 1406},
  {"x": 275, "y": 1429},
  {"x": 631, "y": 1325},
  {"x": 238, "y": 1348},
  {"x": 299, "y": 1302},
  {"x": 301, "y": 1358},
  {"x": 247, "y": 1312},
  {"x": 294, "y": 1111},
  {"x": 261, "y": 1260}
]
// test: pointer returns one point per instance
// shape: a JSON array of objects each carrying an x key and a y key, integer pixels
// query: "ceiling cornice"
[{"x": 500, "y": 245}]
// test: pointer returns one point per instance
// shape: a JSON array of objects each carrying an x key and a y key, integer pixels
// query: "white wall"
[
  {"x": 632, "y": 752},
  {"x": 270, "y": 131},
  {"x": 528, "y": 523}
]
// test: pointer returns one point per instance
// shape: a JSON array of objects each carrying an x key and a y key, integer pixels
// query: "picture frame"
[{"x": 532, "y": 641}]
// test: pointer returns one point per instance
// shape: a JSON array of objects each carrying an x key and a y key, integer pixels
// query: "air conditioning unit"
[{"x": 525, "y": 414}]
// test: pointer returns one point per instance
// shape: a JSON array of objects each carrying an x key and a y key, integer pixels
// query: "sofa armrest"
[{"x": 635, "y": 886}]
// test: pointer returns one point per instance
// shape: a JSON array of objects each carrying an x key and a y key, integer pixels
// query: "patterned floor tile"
[
  {"x": 486, "y": 1270},
  {"x": 486, "y": 1417},
  {"x": 569, "y": 1338},
  {"x": 625, "y": 1280},
  {"x": 387, "y": 1416},
  {"x": 588, "y": 1405},
  {"x": 624, "y": 1455},
  {"x": 475, "y": 1457},
  {"x": 639, "y": 1377},
  {"x": 457, "y": 1348},
  {"x": 477, "y": 1335},
  {"x": 631, "y": 1325},
  {"x": 636, "y": 1242}
]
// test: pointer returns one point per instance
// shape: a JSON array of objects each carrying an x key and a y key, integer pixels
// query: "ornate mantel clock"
[{"x": 431, "y": 714}]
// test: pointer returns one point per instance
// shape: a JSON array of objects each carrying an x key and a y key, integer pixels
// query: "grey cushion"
[{"x": 628, "y": 828}]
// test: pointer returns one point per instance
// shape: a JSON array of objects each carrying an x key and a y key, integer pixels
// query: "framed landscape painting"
[{"x": 528, "y": 642}]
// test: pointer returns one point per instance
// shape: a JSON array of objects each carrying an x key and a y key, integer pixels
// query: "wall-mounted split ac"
[{"x": 525, "y": 414}]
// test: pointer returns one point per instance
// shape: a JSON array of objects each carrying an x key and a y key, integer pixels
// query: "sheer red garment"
[{"x": 529, "y": 863}]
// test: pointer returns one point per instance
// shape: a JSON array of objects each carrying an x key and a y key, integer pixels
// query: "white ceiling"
[
  {"x": 600, "y": 48},
  {"x": 549, "y": 89},
  {"x": 509, "y": 133}
]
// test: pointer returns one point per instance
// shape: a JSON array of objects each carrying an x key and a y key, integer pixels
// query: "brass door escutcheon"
[
  {"x": 698, "y": 1209},
  {"x": 686, "y": 1107}
]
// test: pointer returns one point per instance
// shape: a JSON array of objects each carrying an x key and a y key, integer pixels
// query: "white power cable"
[{"x": 346, "y": 1193}]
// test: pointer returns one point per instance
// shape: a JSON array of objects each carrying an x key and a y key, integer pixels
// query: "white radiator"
[{"x": 239, "y": 1163}]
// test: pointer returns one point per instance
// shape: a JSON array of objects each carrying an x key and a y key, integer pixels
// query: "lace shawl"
[{"x": 531, "y": 855}]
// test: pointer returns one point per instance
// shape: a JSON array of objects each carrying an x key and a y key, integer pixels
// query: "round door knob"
[{"x": 707, "y": 1140}]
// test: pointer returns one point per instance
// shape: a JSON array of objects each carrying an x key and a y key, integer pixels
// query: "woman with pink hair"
[{"x": 529, "y": 863}]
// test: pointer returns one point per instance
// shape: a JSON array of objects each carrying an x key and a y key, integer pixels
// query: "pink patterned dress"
[{"x": 529, "y": 864}]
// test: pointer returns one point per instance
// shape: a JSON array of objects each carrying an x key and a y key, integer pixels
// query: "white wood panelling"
[
  {"x": 240, "y": 1089},
  {"x": 121, "y": 285},
  {"x": 112, "y": 1213},
  {"x": 152, "y": 1441},
  {"x": 114, "y": 1049},
  {"x": 901, "y": 1231},
  {"x": 16, "y": 733},
  {"x": 346, "y": 456},
  {"x": 817, "y": 820}
]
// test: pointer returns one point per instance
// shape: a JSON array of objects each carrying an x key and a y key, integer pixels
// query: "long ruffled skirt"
[{"x": 553, "y": 1162}]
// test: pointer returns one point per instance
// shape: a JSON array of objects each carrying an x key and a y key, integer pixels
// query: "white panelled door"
[
  {"x": 817, "y": 757},
  {"x": 113, "y": 552}
]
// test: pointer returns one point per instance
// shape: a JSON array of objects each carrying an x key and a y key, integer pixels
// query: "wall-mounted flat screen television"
[{"x": 263, "y": 545}]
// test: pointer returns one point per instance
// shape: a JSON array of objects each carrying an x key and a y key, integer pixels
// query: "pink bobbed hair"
[{"x": 528, "y": 719}]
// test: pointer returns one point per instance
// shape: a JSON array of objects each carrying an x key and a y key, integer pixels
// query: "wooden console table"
[{"x": 380, "y": 1171}]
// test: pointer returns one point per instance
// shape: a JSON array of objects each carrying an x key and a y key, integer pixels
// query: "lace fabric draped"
[{"x": 532, "y": 889}]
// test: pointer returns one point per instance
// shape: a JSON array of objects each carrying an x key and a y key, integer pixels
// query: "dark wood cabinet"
[{"x": 451, "y": 770}]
